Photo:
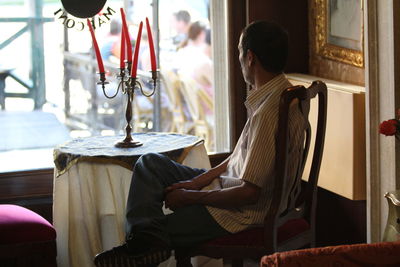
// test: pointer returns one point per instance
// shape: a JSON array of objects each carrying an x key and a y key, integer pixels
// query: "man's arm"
[
  {"x": 244, "y": 194},
  {"x": 202, "y": 180}
]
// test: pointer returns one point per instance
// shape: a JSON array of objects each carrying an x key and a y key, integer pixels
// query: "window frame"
[{"x": 41, "y": 181}]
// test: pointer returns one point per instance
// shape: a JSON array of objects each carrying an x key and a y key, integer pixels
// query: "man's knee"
[
  {"x": 153, "y": 168},
  {"x": 153, "y": 161},
  {"x": 149, "y": 157},
  {"x": 152, "y": 158}
]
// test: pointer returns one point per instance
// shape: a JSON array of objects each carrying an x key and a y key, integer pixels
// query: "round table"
[{"x": 91, "y": 184}]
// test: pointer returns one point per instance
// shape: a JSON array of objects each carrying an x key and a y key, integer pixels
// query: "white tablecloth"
[{"x": 89, "y": 208}]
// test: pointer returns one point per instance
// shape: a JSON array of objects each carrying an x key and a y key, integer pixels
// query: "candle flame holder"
[{"x": 128, "y": 85}]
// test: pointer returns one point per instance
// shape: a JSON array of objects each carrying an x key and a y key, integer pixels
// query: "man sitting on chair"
[{"x": 230, "y": 197}]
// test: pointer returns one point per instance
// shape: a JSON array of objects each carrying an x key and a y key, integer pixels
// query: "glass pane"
[
  {"x": 74, "y": 104},
  {"x": 187, "y": 67}
]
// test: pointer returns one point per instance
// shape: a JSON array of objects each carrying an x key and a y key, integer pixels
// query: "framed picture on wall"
[{"x": 339, "y": 31}]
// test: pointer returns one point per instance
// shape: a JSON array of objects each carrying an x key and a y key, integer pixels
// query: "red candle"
[
  {"x": 96, "y": 48},
  {"x": 127, "y": 37},
  {"x": 136, "y": 54},
  {"x": 151, "y": 46},
  {"x": 122, "y": 53}
]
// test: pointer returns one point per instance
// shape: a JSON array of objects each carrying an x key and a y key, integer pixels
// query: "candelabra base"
[{"x": 128, "y": 144}]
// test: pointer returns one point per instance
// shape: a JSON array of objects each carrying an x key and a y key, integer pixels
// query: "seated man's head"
[{"x": 262, "y": 45}]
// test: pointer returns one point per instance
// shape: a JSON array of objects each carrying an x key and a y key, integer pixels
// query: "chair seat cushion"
[
  {"x": 255, "y": 236},
  {"x": 20, "y": 225}
]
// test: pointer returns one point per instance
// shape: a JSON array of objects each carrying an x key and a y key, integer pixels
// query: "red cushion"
[
  {"x": 255, "y": 236},
  {"x": 291, "y": 229},
  {"x": 20, "y": 225}
]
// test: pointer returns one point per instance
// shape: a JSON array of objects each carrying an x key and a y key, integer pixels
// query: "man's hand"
[
  {"x": 175, "y": 199},
  {"x": 200, "y": 181},
  {"x": 237, "y": 196},
  {"x": 189, "y": 185}
]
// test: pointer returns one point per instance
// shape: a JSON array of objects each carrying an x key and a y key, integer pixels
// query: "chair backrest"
[
  {"x": 190, "y": 93},
  {"x": 171, "y": 84},
  {"x": 296, "y": 224},
  {"x": 301, "y": 202},
  {"x": 200, "y": 106}
]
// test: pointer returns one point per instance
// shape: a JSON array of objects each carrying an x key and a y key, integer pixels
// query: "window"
[{"x": 192, "y": 97}]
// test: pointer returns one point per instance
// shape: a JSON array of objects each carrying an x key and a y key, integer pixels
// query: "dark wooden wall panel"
[
  {"x": 293, "y": 16},
  {"x": 237, "y": 19},
  {"x": 30, "y": 189},
  {"x": 327, "y": 68},
  {"x": 340, "y": 220},
  {"x": 28, "y": 184}
]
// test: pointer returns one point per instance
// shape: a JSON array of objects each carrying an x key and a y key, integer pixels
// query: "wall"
[
  {"x": 382, "y": 87},
  {"x": 323, "y": 66},
  {"x": 299, "y": 17},
  {"x": 344, "y": 139},
  {"x": 237, "y": 20},
  {"x": 30, "y": 189},
  {"x": 339, "y": 220},
  {"x": 293, "y": 16}
]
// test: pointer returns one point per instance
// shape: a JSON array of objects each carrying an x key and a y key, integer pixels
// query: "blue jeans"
[{"x": 184, "y": 227}]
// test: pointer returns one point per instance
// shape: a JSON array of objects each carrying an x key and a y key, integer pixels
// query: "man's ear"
[{"x": 250, "y": 58}]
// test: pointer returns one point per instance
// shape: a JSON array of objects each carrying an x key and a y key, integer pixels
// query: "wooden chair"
[
  {"x": 198, "y": 101},
  {"x": 295, "y": 227},
  {"x": 172, "y": 86}
]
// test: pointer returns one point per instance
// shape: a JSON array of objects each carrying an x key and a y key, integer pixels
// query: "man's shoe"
[{"x": 121, "y": 256}]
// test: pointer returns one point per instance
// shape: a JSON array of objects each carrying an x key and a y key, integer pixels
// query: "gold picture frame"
[{"x": 339, "y": 33}]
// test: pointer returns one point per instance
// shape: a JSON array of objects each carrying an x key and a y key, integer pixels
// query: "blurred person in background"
[
  {"x": 180, "y": 23},
  {"x": 192, "y": 60},
  {"x": 208, "y": 48},
  {"x": 110, "y": 49}
]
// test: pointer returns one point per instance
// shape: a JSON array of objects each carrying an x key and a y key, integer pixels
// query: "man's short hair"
[
  {"x": 183, "y": 15},
  {"x": 269, "y": 42}
]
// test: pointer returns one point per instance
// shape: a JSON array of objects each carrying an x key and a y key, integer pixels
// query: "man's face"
[
  {"x": 244, "y": 62},
  {"x": 179, "y": 25}
]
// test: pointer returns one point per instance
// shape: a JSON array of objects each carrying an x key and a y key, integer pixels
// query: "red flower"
[
  {"x": 391, "y": 127},
  {"x": 388, "y": 127}
]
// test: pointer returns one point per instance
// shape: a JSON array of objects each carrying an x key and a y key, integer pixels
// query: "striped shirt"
[{"x": 253, "y": 159}]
